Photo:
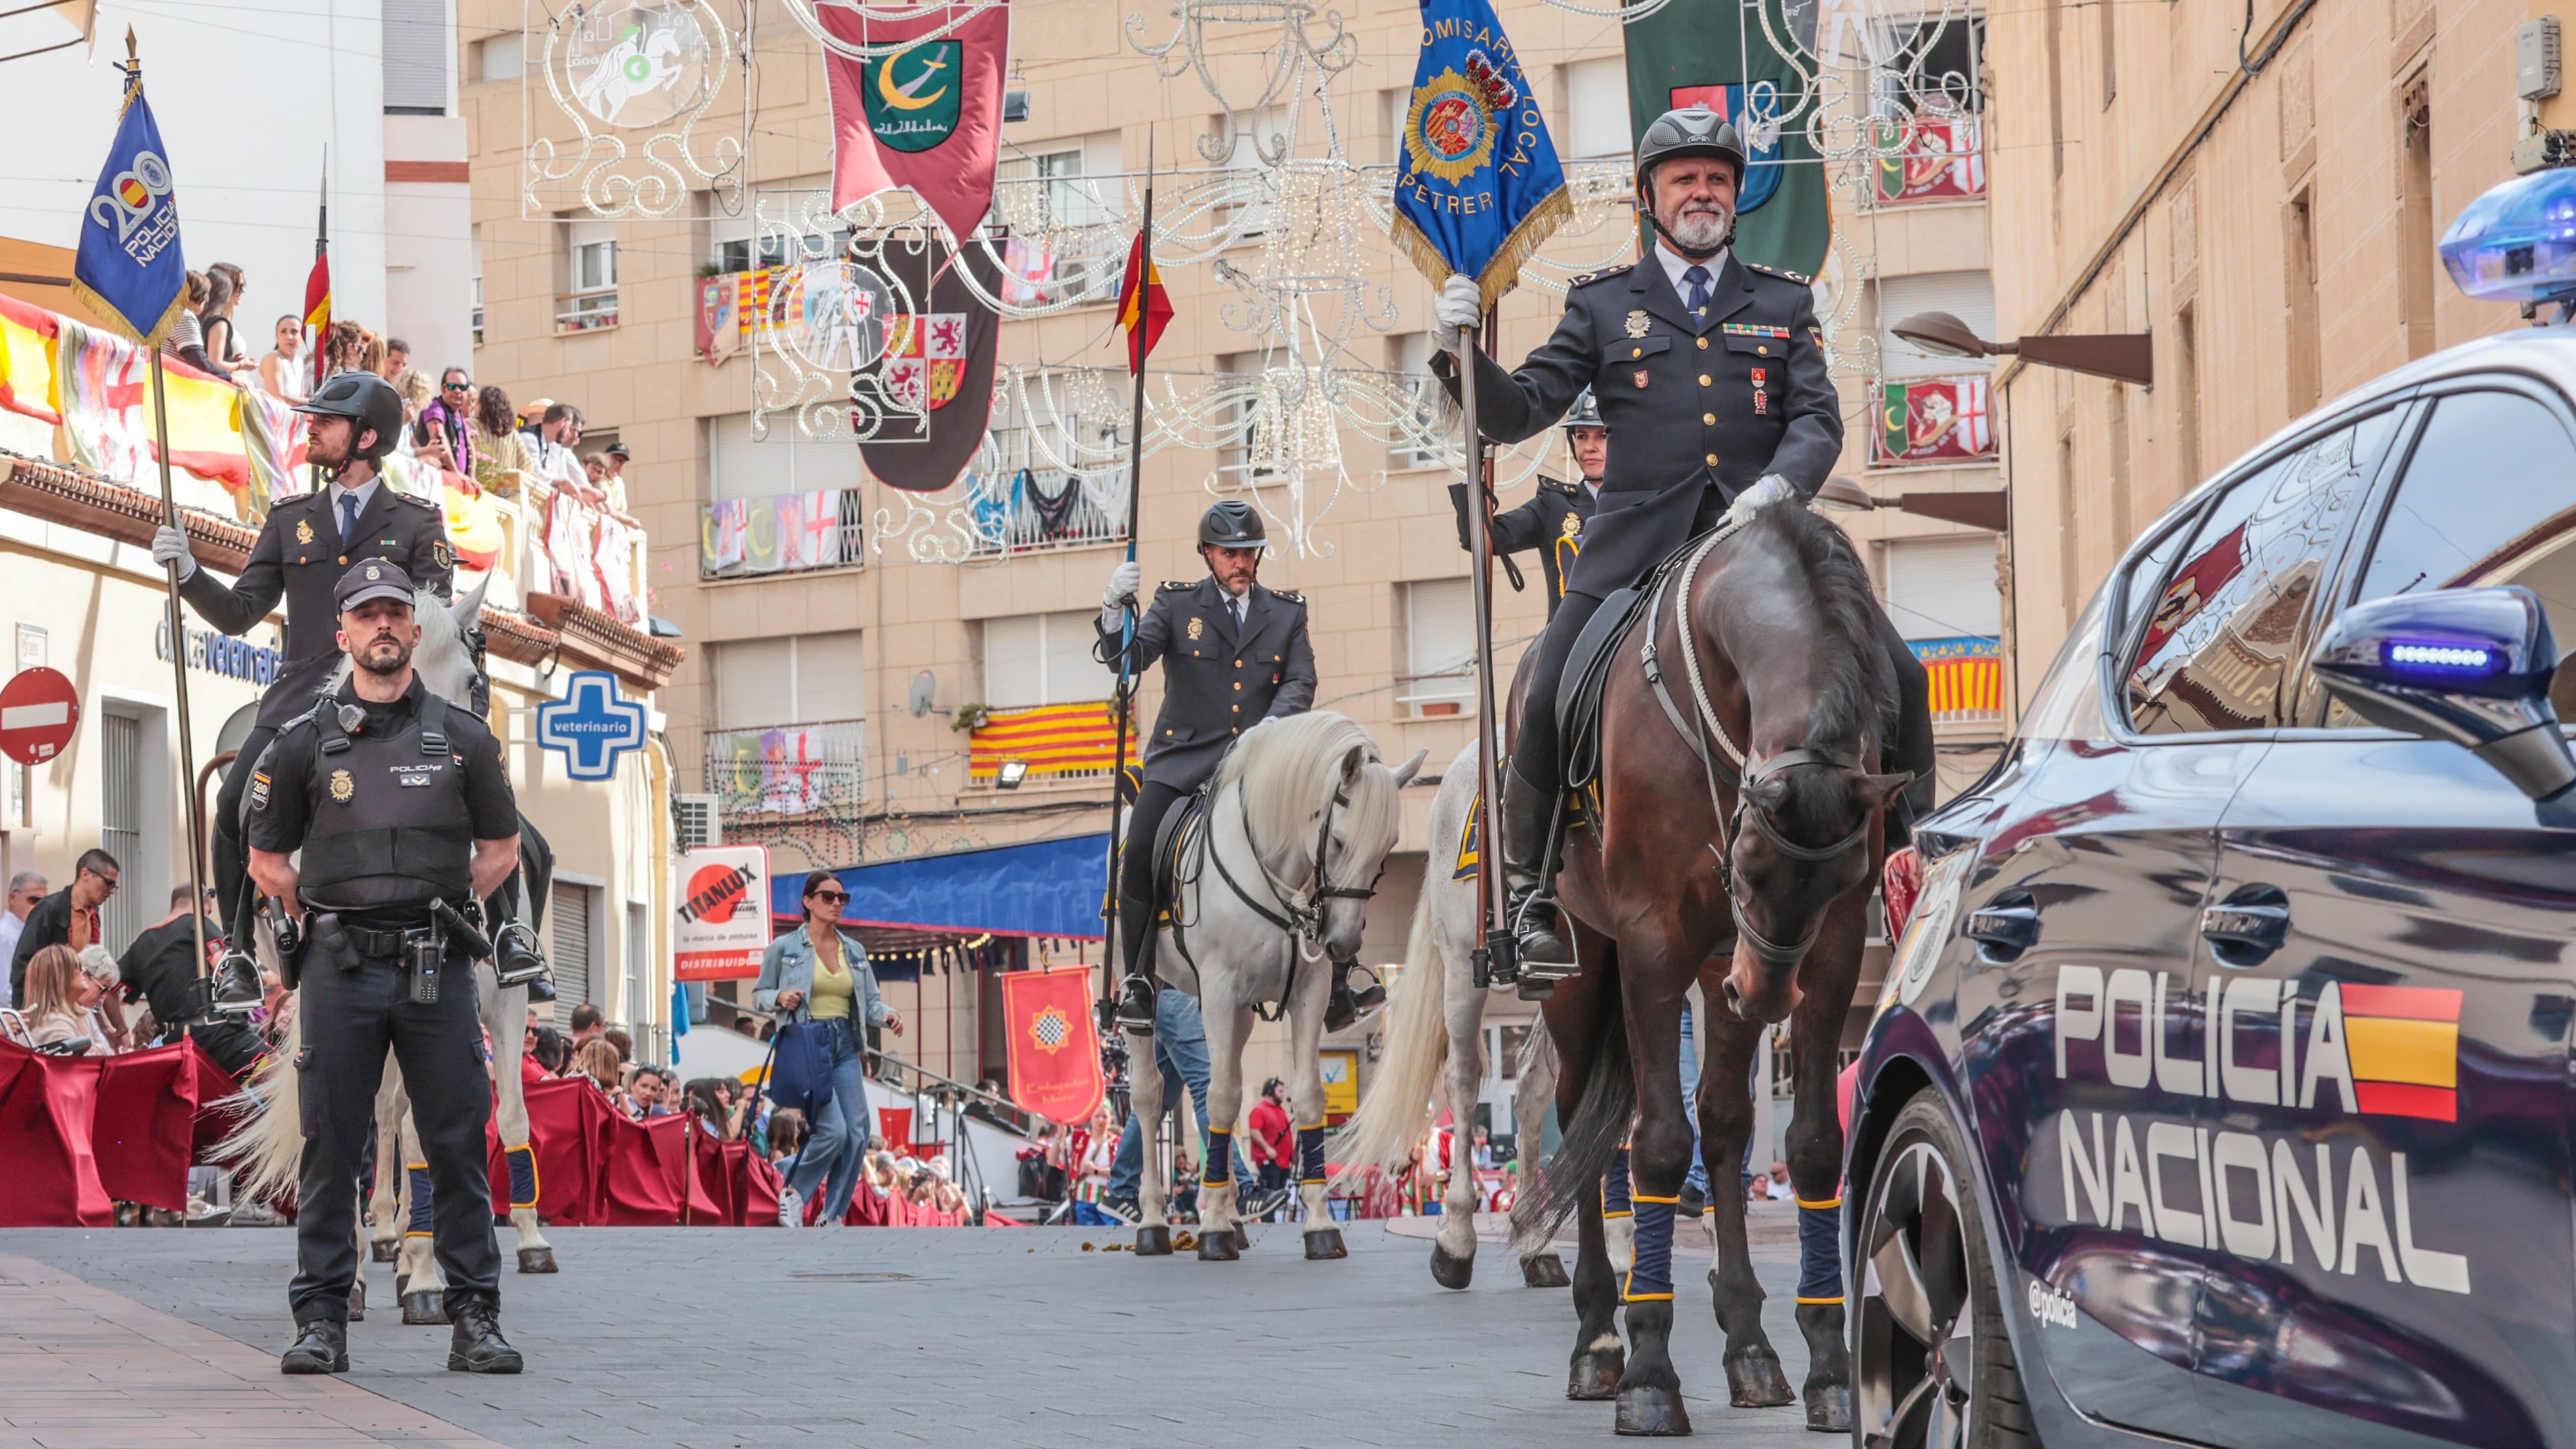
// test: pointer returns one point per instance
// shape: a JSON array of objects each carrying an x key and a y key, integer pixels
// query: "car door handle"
[
  {"x": 2248, "y": 926},
  {"x": 2005, "y": 927}
]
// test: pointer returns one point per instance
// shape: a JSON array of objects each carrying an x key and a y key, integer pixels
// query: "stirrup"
[
  {"x": 1136, "y": 998},
  {"x": 1541, "y": 949},
  {"x": 238, "y": 991}
]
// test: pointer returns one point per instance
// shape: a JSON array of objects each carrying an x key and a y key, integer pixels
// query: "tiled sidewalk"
[{"x": 83, "y": 1368}]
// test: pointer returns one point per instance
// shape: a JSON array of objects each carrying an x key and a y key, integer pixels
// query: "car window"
[
  {"x": 2489, "y": 497},
  {"x": 2226, "y": 627}
]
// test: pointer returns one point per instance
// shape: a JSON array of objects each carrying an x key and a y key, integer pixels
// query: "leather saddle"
[
  {"x": 1587, "y": 667},
  {"x": 1186, "y": 817}
]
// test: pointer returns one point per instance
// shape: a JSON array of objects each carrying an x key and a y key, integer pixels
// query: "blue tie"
[
  {"x": 348, "y": 517},
  {"x": 1697, "y": 276}
]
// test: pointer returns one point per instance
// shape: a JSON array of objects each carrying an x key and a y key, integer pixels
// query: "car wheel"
[{"x": 1933, "y": 1365}]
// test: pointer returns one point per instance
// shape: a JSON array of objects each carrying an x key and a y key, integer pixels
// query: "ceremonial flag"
[
  {"x": 130, "y": 270},
  {"x": 1478, "y": 188},
  {"x": 1054, "y": 1050},
  {"x": 317, "y": 283},
  {"x": 940, "y": 361},
  {"x": 1721, "y": 56},
  {"x": 1143, "y": 306},
  {"x": 928, "y": 117}
]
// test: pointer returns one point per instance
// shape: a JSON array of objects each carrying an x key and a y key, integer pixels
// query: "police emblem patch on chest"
[
  {"x": 1573, "y": 526},
  {"x": 1640, "y": 377},
  {"x": 1638, "y": 326},
  {"x": 1198, "y": 627},
  {"x": 304, "y": 530},
  {"x": 342, "y": 787}
]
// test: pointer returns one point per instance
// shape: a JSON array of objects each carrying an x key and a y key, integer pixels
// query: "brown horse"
[{"x": 1738, "y": 831}]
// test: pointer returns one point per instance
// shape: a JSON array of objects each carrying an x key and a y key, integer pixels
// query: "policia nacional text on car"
[
  {"x": 1710, "y": 374},
  {"x": 1234, "y": 654},
  {"x": 402, "y": 807}
]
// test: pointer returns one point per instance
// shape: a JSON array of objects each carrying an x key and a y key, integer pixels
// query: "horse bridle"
[
  {"x": 1299, "y": 921},
  {"x": 1772, "y": 952}
]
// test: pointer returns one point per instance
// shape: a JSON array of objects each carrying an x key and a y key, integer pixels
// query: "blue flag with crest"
[
  {"x": 130, "y": 269},
  {"x": 1478, "y": 189}
]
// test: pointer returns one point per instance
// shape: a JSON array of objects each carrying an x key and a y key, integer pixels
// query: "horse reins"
[{"x": 1300, "y": 922}]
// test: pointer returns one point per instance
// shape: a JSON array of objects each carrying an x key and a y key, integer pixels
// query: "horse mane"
[
  {"x": 1286, "y": 772},
  {"x": 1855, "y": 690}
]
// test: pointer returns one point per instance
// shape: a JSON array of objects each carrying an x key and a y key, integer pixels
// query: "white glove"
[
  {"x": 1772, "y": 489},
  {"x": 1459, "y": 307},
  {"x": 1123, "y": 582},
  {"x": 170, "y": 545}
]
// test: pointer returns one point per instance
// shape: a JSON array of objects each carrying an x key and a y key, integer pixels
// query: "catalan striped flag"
[
  {"x": 2405, "y": 1047},
  {"x": 1055, "y": 739}
]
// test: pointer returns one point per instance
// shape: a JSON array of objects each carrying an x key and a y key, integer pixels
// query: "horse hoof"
[
  {"x": 1596, "y": 1374},
  {"x": 1448, "y": 1269},
  {"x": 1829, "y": 1408},
  {"x": 1547, "y": 1270},
  {"x": 1754, "y": 1381},
  {"x": 424, "y": 1307},
  {"x": 385, "y": 1250},
  {"x": 402, "y": 1284},
  {"x": 1153, "y": 1242},
  {"x": 1327, "y": 1243},
  {"x": 358, "y": 1301},
  {"x": 1218, "y": 1248},
  {"x": 1242, "y": 1238},
  {"x": 1649, "y": 1410},
  {"x": 536, "y": 1260}
]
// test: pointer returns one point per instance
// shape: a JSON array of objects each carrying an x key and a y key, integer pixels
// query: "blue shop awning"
[{"x": 1038, "y": 888}]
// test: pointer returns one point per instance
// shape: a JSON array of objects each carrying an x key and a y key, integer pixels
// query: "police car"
[{"x": 2220, "y": 1091}]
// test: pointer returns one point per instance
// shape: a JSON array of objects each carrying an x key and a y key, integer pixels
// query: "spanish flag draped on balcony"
[{"x": 1143, "y": 306}]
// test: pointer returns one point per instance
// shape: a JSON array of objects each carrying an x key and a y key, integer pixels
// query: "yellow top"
[{"x": 835, "y": 987}]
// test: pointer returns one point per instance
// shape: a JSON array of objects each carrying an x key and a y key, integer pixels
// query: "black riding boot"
[
  {"x": 321, "y": 1347},
  {"x": 1137, "y": 992},
  {"x": 1348, "y": 1005},
  {"x": 238, "y": 990},
  {"x": 1531, "y": 905},
  {"x": 477, "y": 1346}
]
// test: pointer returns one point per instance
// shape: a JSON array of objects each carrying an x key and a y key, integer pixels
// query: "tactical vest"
[{"x": 390, "y": 826}]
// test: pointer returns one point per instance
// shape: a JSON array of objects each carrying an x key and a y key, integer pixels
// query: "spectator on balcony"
[
  {"x": 395, "y": 360},
  {"x": 187, "y": 339},
  {"x": 558, "y": 466},
  {"x": 498, "y": 443},
  {"x": 223, "y": 343},
  {"x": 352, "y": 348},
  {"x": 282, "y": 371},
  {"x": 447, "y": 421}
]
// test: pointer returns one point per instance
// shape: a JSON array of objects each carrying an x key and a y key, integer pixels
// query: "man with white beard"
[{"x": 1710, "y": 374}]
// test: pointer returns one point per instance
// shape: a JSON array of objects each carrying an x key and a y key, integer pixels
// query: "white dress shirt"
[{"x": 1675, "y": 264}]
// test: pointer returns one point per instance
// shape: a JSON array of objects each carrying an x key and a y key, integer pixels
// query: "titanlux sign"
[{"x": 723, "y": 922}]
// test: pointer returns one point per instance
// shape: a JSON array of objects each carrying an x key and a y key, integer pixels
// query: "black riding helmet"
[
  {"x": 1232, "y": 524},
  {"x": 1586, "y": 413},
  {"x": 1690, "y": 131},
  {"x": 367, "y": 401}
]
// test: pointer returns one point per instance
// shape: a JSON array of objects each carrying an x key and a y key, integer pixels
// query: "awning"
[{"x": 1038, "y": 888}]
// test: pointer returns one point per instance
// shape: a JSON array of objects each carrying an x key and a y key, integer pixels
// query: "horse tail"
[
  {"x": 1397, "y": 1110},
  {"x": 1599, "y": 1128},
  {"x": 267, "y": 1149}
]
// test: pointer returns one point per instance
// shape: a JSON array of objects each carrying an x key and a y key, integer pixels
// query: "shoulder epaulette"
[
  {"x": 1178, "y": 586},
  {"x": 1290, "y": 596},
  {"x": 1801, "y": 278},
  {"x": 416, "y": 501},
  {"x": 1568, "y": 489},
  {"x": 1587, "y": 278}
]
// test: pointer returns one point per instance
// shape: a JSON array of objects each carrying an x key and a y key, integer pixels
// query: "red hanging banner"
[{"x": 1055, "y": 1051}]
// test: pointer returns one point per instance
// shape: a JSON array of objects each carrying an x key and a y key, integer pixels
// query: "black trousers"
[
  {"x": 1136, "y": 903},
  {"x": 231, "y": 860},
  {"x": 350, "y": 1019}
]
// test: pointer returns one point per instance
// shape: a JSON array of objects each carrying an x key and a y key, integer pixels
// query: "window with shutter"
[
  {"x": 415, "y": 57},
  {"x": 574, "y": 966},
  {"x": 755, "y": 683},
  {"x": 503, "y": 57},
  {"x": 1942, "y": 588},
  {"x": 831, "y": 677},
  {"x": 1015, "y": 662},
  {"x": 1596, "y": 108},
  {"x": 1440, "y": 646},
  {"x": 1968, "y": 296},
  {"x": 1072, "y": 675}
]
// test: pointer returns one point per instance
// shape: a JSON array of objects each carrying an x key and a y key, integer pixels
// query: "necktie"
[
  {"x": 1697, "y": 276},
  {"x": 348, "y": 517}
]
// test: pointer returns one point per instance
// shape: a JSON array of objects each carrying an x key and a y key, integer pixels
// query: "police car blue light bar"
[
  {"x": 2517, "y": 243},
  {"x": 2442, "y": 658}
]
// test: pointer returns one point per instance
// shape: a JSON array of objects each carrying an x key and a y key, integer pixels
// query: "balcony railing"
[
  {"x": 784, "y": 533},
  {"x": 1045, "y": 508},
  {"x": 589, "y": 311},
  {"x": 794, "y": 770}
]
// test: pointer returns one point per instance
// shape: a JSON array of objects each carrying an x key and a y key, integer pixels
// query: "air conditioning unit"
[{"x": 695, "y": 821}]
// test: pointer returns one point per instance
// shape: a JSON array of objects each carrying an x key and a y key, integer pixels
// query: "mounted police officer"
[
  {"x": 1711, "y": 377},
  {"x": 1234, "y": 654},
  {"x": 307, "y": 545},
  {"x": 1552, "y": 521},
  {"x": 402, "y": 807}
]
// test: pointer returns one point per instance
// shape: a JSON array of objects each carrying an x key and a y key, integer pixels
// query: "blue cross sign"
[{"x": 591, "y": 725}]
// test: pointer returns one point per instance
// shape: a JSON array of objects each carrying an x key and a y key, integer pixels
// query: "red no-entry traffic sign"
[{"x": 39, "y": 709}]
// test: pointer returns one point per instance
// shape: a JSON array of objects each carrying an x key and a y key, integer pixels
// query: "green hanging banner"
[{"x": 1722, "y": 54}]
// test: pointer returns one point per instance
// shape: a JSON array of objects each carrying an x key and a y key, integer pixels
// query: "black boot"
[
  {"x": 1531, "y": 902},
  {"x": 321, "y": 1347},
  {"x": 477, "y": 1346},
  {"x": 1137, "y": 991},
  {"x": 516, "y": 960},
  {"x": 1348, "y": 1005},
  {"x": 238, "y": 992}
]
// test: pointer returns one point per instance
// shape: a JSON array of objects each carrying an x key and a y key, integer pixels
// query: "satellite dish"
[{"x": 925, "y": 689}]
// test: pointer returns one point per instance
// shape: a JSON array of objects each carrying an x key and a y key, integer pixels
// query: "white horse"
[
  {"x": 1436, "y": 1021},
  {"x": 267, "y": 1148},
  {"x": 1273, "y": 888}
]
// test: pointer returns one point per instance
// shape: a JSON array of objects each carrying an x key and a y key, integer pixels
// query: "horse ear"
[
  {"x": 1405, "y": 772},
  {"x": 468, "y": 611},
  {"x": 1356, "y": 757},
  {"x": 1876, "y": 790}
]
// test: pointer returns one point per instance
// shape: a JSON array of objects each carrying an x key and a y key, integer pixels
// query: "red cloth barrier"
[
  {"x": 145, "y": 1132},
  {"x": 48, "y": 1106}
]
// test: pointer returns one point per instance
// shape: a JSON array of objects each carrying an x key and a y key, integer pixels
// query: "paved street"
[{"x": 713, "y": 1338}]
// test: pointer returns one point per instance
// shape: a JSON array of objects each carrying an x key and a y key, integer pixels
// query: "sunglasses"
[
  {"x": 460, "y": 387},
  {"x": 835, "y": 897}
]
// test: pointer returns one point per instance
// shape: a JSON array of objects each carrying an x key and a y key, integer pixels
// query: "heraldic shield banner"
[
  {"x": 1934, "y": 420},
  {"x": 1055, "y": 1052}
]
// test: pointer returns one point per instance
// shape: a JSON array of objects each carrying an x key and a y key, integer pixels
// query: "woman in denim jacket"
[{"x": 817, "y": 975}]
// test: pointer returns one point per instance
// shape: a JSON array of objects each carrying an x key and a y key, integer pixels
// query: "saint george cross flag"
[
  {"x": 130, "y": 269},
  {"x": 1478, "y": 189}
]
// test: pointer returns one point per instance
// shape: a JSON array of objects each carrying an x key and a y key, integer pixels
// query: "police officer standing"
[
  {"x": 1234, "y": 654},
  {"x": 1552, "y": 520},
  {"x": 402, "y": 807},
  {"x": 1710, "y": 374},
  {"x": 308, "y": 543}
]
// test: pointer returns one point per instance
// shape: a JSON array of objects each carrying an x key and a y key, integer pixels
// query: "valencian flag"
[
  {"x": 1478, "y": 189},
  {"x": 1143, "y": 306},
  {"x": 928, "y": 116},
  {"x": 1721, "y": 56},
  {"x": 1054, "y": 1052},
  {"x": 129, "y": 269}
]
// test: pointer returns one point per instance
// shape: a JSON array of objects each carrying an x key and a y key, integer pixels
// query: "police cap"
[
  {"x": 374, "y": 579},
  {"x": 1232, "y": 523}
]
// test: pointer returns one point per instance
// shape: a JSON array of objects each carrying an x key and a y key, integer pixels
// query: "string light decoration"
[
  {"x": 635, "y": 77},
  {"x": 1288, "y": 60},
  {"x": 809, "y": 13},
  {"x": 824, "y": 323}
]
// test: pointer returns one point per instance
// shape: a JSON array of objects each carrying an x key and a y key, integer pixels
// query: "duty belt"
[{"x": 383, "y": 944}]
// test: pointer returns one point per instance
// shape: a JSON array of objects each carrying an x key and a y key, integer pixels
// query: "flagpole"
[
  {"x": 1127, "y": 629},
  {"x": 321, "y": 252},
  {"x": 1499, "y": 947}
]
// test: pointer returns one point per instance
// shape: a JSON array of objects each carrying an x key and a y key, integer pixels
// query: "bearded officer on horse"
[{"x": 1710, "y": 377}]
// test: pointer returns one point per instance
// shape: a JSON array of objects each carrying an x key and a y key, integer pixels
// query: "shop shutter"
[
  {"x": 572, "y": 960},
  {"x": 1968, "y": 296},
  {"x": 120, "y": 830},
  {"x": 1941, "y": 588}
]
